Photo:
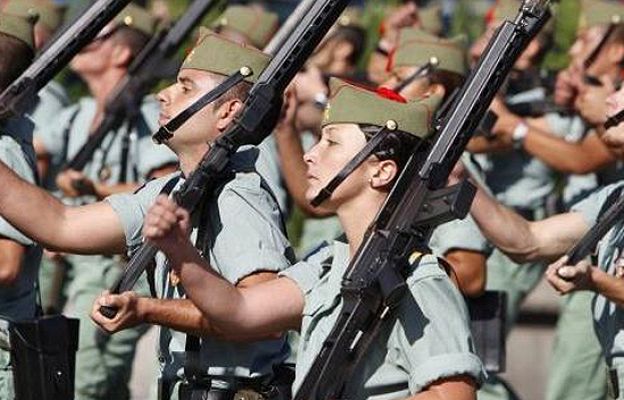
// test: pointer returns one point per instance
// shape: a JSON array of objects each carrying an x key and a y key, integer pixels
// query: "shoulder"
[
  {"x": 307, "y": 272},
  {"x": 592, "y": 206},
  {"x": 54, "y": 92}
]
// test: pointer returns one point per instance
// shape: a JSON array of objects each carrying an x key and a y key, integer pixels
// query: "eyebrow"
[{"x": 186, "y": 81}]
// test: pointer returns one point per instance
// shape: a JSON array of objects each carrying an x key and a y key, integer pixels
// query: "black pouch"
[
  {"x": 487, "y": 323},
  {"x": 43, "y": 353}
]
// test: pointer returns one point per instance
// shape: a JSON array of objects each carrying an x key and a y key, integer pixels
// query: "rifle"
[
  {"x": 252, "y": 126},
  {"x": 125, "y": 101},
  {"x": 19, "y": 96},
  {"x": 374, "y": 282}
]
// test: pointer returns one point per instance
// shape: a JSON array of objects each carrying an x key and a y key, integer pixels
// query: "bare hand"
[
  {"x": 566, "y": 87},
  {"x": 506, "y": 122},
  {"x": 75, "y": 184},
  {"x": 567, "y": 278},
  {"x": 128, "y": 313},
  {"x": 167, "y": 225}
]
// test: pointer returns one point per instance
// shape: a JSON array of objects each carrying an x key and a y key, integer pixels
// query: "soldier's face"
[
  {"x": 415, "y": 90},
  {"x": 96, "y": 56},
  {"x": 614, "y": 137},
  {"x": 191, "y": 85},
  {"x": 338, "y": 144}
]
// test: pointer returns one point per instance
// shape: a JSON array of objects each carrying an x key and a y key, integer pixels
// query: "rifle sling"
[{"x": 166, "y": 132}]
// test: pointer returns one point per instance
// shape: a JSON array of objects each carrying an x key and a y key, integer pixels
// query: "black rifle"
[
  {"x": 374, "y": 283},
  {"x": 254, "y": 124},
  {"x": 125, "y": 101},
  {"x": 20, "y": 95}
]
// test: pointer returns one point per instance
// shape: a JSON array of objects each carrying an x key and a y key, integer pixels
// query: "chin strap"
[
  {"x": 359, "y": 158},
  {"x": 166, "y": 132},
  {"x": 615, "y": 120}
]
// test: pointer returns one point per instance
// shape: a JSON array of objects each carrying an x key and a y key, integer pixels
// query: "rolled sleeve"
[
  {"x": 459, "y": 235},
  {"x": 247, "y": 233},
  {"x": 435, "y": 336},
  {"x": 307, "y": 273}
]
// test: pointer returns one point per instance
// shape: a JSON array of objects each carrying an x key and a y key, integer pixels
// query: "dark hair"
[
  {"x": 397, "y": 146},
  {"x": 240, "y": 91},
  {"x": 356, "y": 37},
  {"x": 450, "y": 80},
  {"x": 134, "y": 39},
  {"x": 16, "y": 57}
]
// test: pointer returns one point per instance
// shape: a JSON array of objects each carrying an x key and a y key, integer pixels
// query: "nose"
[
  {"x": 164, "y": 96},
  {"x": 310, "y": 156}
]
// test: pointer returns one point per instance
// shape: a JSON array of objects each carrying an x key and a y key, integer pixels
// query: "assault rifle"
[
  {"x": 20, "y": 95},
  {"x": 125, "y": 102},
  {"x": 252, "y": 126},
  {"x": 374, "y": 283}
]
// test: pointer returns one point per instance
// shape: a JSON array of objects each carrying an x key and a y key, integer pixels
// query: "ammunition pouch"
[
  {"x": 487, "y": 324},
  {"x": 43, "y": 356}
]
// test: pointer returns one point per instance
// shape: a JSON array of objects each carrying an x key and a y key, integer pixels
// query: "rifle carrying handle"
[{"x": 108, "y": 311}]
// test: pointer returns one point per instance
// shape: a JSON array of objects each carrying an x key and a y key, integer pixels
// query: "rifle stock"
[
  {"x": 255, "y": 123},
  {"x": 374, "y": 282},
  {"x": 19, "y": 96}
]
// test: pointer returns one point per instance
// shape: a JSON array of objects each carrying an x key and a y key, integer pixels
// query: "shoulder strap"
[
  {"x": 611, "y": 199},
  {"x": 66, "y": 134}
]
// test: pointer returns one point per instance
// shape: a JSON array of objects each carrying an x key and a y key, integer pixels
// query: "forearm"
[
  {"x": 564, "y": 156},
  {"x": 480, "y": 144},
  {"x": 607, "y": 285},
  {"x": 245, "y": 312}
]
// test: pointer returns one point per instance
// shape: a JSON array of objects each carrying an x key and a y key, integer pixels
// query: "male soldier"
[
  {"x": 126, "y": 158},
  {"x": 245, "y": 241},
  {"x": 550, "y": 238},
  {"x": 19, "y": 256}
]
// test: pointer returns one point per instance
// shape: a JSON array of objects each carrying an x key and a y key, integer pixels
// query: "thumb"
[{"x": 567, "y": 272}]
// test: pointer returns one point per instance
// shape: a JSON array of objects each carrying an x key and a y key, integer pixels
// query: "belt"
[
  {"x": 189, "y": 391},
  {"x": 613, "y": 383}
]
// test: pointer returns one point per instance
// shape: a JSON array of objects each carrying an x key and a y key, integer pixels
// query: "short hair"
[
  {"x": 397, "y": 146},
  {"x": 450, "y": 81},
  {"x": 239, "y": 92},
  {"x": 16, "y": 57},
  {"x": 134, "y": 39}
]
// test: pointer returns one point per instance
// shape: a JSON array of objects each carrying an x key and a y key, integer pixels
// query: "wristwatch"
[{"x": 519, "y": 134}]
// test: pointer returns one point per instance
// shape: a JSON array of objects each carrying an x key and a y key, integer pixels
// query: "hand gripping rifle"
[
  {"x": 252, "y": 126},
  {"x": 125, "y": 101},
  {"x": 19, "y": 96},
  {"x": 374, "y": 282}
]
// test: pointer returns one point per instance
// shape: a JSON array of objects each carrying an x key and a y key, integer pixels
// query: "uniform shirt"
[
  {"x": 516, "y": 178},
  {"x": 608, "y": 317},
  {"x": 18, "y": 300},
  {"x": 72, "y": 130},
  {"x": 245, "y": 237},
  {"x": 460, "y": 234},
  {"x": 268, "y": 166},
  {"x": 427, "y": 341}
]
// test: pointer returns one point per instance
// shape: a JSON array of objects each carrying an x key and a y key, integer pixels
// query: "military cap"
[
  {"x": 19, "y": 27},
  {"x": 350, "y": 104},
  {"x": 50, "y": 14},
  {"x": 256, "y": 24},
  {"x": 416, "y": 48},
  {"x": 600, "y": 12},
  {"x": 218, "y": 55},
  {"x": 430, "y": 19},
  {"x": 137, "y": 18}
]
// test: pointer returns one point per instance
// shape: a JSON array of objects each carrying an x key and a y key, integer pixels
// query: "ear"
[
  {"x": 383, "y": 174},
  {"x": 227, "y": 112},
  {"x": 343, "y": 50},
  {"x": 122, "y": 56}
]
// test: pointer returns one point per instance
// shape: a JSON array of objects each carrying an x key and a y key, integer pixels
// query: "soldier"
[
  {"x": 422, "y": 353},
  {"x": 550, "y": 238},
  {"x": 20, "y": 256},
  {"x": 126, "y": 158},
  {"x": 244, "y": 242}
]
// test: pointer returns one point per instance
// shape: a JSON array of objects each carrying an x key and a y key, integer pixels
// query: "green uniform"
[
  {"x": 103, "y": 364},
  {"x": 18, "y": 301},
  {"x": 608, "y": 317},
  {"x": 244, "y": 236},
  {"x": 429, "y": 339}
]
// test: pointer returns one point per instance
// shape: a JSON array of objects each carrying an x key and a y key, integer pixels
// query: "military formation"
[{"x": 263, "y": 268}]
